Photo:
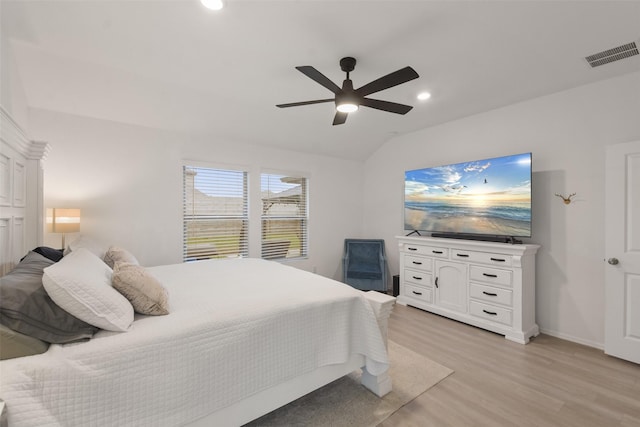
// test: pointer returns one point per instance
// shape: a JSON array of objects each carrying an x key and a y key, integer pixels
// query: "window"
[
  {"x": 284, "y": 216},
  {"x": 215, "y": 213}
]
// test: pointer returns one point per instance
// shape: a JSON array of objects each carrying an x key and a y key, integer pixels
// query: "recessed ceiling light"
[
  {"x": 423, "y": 96},
  {"x": 212, "y": 4}
]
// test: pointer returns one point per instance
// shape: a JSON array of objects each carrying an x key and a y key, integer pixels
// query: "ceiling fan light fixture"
[
  {"x": 347, "y": 107},
  {"x": 212, "y": 4}
]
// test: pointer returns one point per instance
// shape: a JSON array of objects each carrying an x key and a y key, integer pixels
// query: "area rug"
[{"x": 345, "y": 402}]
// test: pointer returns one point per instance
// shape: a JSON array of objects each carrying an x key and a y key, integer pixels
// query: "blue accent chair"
[{"x": 364, "y": 264}]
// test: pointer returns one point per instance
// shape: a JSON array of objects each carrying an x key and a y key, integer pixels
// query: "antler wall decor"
[{"x": 567, "y": 199}]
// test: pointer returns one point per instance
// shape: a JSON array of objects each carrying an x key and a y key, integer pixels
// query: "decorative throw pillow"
[
  {"x": 54, "y": 255},
  {"x": 145, "y": 292},
  {"x": 81, "y": 284},
  {"x": 26, "y": 307},
  {"x": 96, "y": 247},
  {"x": 115, "y": 255}
]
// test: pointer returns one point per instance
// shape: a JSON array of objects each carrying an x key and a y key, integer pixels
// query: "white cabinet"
[{"x": 485, "y": 284}]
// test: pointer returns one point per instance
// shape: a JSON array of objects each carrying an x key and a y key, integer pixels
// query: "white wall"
[
  {"x": 567, "y": 133},
  {"x": 128, "y": 182},
  {"x": 12, "y": 96}
]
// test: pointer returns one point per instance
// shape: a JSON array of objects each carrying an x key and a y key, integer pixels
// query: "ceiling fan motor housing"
[{"x": 347, "y": 64}]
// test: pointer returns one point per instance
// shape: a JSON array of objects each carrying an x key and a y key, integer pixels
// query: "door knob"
[{"x": 613, "y": 261}]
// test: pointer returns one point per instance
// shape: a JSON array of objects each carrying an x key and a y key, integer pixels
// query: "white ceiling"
[{"x": 175, "y": 65}]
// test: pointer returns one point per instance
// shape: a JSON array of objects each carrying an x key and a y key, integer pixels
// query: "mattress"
[{"x": 236, "y": 327}]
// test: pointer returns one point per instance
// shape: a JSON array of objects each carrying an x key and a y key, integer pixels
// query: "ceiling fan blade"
[
  {"x": 297, "y": 104},
  {"x": 391, "y": 107},
  {"x": 340, "y": 118},
  {"x": 318, "y": 77},
  {"x": 390, "y": 80}
]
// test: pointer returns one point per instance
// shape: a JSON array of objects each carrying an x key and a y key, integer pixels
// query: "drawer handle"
[
  {"x": 436, "y": 282},
  {"x": 497, "y": 259},
  {"x": 437, "y": 252},
  {"x": 417, "y": 293},
  {"x": 417, "y": 277},
  {"x": 489, "y": 275},
  {"x": 413, "y": 249},
  {"x": 417, "y": 262},
  {"x": 491, "y": 294},
  {"x": 463, "y": 255},
  {"x": 493, "y": 313}
]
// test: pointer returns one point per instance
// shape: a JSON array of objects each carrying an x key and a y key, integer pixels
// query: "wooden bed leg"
[{"x": 382, "y": 305}]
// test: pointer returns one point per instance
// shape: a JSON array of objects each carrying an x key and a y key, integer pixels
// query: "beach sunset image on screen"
[{"x": 489, "y": 197}]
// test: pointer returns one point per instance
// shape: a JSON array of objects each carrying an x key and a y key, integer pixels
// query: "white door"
[{"x": 622, "y": 251}]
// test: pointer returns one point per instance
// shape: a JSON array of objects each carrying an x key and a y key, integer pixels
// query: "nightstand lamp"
[{"x": 62, "y": 220}]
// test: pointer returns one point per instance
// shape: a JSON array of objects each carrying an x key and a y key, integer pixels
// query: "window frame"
[
  {"x": 278, "y": 249},
  {"x": 244, "y": 241}
]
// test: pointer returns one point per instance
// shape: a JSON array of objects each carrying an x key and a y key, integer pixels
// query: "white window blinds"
[
  {"x": 284, "y": 216},
  {"x": 215, "y": 213}
]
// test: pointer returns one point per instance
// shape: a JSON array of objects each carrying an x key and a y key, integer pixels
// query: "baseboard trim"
[{"x": 599, "y": 346}]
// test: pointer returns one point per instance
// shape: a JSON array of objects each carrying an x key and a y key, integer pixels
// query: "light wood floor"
[{"x": 548, "y": 382}]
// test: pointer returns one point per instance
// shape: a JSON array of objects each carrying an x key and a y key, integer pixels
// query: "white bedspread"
[{"x": 236, "y": 327}]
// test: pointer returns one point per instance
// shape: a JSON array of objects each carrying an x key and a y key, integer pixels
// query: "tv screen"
[{"x": 489, "y": 197}]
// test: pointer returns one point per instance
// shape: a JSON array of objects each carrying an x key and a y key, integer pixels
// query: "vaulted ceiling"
[{"x": 175, "y": 65}]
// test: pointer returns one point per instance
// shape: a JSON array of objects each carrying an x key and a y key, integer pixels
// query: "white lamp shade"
[{"x": 61, "y": 220}]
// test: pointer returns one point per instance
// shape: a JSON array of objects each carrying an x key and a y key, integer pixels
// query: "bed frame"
[{"x": 22, "y": 228}]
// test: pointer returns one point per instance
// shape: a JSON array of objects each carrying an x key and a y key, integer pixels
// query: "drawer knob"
[
  {"x": 489, "y": 275},
  {"x": 493, "y": 313},
  {"x": 491, "y": 294}
]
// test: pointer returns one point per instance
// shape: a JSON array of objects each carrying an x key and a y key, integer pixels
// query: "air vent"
[{"x": 611, "y": 55}]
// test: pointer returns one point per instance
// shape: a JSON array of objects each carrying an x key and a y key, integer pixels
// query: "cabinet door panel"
[{"x": 451, "y": 285}]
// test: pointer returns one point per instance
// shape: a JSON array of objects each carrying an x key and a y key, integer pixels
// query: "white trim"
[{"x": 567, "y": 337}]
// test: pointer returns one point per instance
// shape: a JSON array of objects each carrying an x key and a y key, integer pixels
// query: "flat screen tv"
[{"x": 487, "y": 199}]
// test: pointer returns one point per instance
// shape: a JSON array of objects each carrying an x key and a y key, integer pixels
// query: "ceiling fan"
[{"x": 348, "y": 99}]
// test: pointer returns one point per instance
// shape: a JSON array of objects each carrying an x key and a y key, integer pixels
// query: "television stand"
[
  {"x": 489, "y": 285},
  {"x": 479, "y": 237}
]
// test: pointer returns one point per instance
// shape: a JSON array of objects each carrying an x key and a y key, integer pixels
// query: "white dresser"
[{"x": 485, "y": 284}]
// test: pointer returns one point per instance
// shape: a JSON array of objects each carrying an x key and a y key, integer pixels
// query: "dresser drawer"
[
  {"x": 425, "y": 250},
  {"x": 418, "y": 277},
  {"x": 491, "y": 275},
  {"x": 418, "y": 263},
  {"x": 491, "y": 294},
  {"x": 490, "y": 312},
  {"x": 482, "y": 257},
  {"x": 419, "y": 293}
]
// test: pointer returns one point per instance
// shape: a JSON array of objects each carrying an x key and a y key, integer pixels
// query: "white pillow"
[
  {"x": 80, "y": 283},
  {"x": 97, "y": 247}
]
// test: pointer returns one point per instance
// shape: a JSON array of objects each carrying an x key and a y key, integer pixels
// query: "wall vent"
[{"x": 611, "y": 55}]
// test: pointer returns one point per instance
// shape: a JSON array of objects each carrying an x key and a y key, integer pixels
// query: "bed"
[{"x": 242, "y": 337}]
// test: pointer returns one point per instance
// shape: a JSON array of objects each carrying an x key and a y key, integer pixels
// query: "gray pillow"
[
  {"x": 14, "y": 344},
  {"x": 26, "y": 307}
]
